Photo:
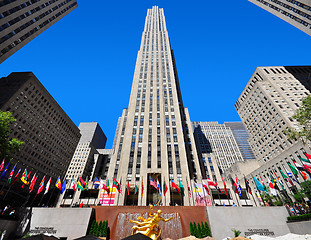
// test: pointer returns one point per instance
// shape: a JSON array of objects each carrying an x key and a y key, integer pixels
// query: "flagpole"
[
  {"x": 164, "y": 191},
  {"x": 188, "y": 191},
  {"x": 191, "y": 189},
  {"x": 142, "y": 193},
  {"x": 41, "y": 200},
  {"x": 204, "y": 194},
  {"x": 7, "y": 191},
  {"x": 119, "y": 192},
  {"x": 51, "y": 196}
]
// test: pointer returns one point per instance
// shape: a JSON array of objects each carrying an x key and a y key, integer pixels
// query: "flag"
[
  {"x": 41, "y": 185},
  {"x": 283, "y": 174},
  {"x": 105, "y": 187},
  {"x": 182, "y": 189},
  {"x": 2, "y": 165},
  {"x": 25, "y": 177},
  {"x": 11, "y": 174},
  {"x": 58, "y": 183},
  {"x": 47, "y": 187},
  {"x": 87, "y": 183},
  {"x": 218, "y": 188},
  {"x": 272, "y": 189},
  {"x": 116, "y": 185},
  {"x": 280, "y": 181},
  {"x": 234, "y": 186},
  {"x": 96, "y": 183},
  {"x": 196, "y": 187},
  {"x": 294, "y": 170},
  {"x": 305, "y": 162},
  {"x": 290, "y": 175},
  {"x": 153, "y": 183},
  {"x": 308, "y": 155},
  {"x": 33, "y": 182},
  {"x": 248, "y": 189},
  {"x": 225, "y": 186},
  {"x": 238, "y": 186},
  {"x": 206, "y": 188},
  {"x": 189, "y": 190},
  {"x": 175, "y": 186},
  {"x": 304, "y": 175},
  {"x": 81, "y": 184},
  {"x": 164, "y": 188},
  {"x": 263, "y": 184},
  {"x": 135, "y": 190},
  {"x": 210, "y": 182},
  {"x": 73, "y": 184},
  {"x": 16, "y": 176},
  {"x": 299, "y": 167},
  {"x": 259, "y": 185},
  {"x": 274, "y": 182},
  {"x": 159, "y": 186},
  {"x": 128, "y": 188},
  {"x": 64, "y": 186},
  {"x": 4, "y": 171},
  {"x": 142, "y": 187}
]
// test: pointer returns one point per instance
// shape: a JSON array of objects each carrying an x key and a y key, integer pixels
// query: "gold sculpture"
[{"x": 149, "y": 227}]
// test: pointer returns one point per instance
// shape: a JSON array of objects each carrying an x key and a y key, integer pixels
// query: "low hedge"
[{"x": 303, "y": 217}]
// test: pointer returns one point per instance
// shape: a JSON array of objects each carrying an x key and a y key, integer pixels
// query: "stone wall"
[
  {"x": 60, "y": 222},
  {"x": 266, "y": 221},
  {"x": 303, "y": 227}
]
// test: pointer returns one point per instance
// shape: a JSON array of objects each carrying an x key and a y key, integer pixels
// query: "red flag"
[
  {"x": 16, "y": 177},
  {"x": 206, "y": 188},
  {"x": 304, "y": 175},
  {"x": 226, "y": 191},
  {"x": 128, "y": 188},
  {"x": 33, "y": 182},
  {"x": 2, "y": 165},
  {"x": 211, "y": 183},
  {"x": 142, "y": 187},
  {"x": 234, "y": 186},
  {"x": 175, "y": 186},
  {"x": 164, "y": 188},
  {"x": 135, "y": 188},
  {"x": 117, "y": 185},
  {"x": 105, "y": 187},
  {"x": 25, "y": 177},
  {"x": 41, "y": 185},
  {"x": 308, "y": 156}
]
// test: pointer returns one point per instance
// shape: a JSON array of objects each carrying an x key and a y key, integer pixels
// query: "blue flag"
[
  {"x": 63, "y": 186},
  {"x": 259, "y": 186},
  {"x": 4, "y": 171},
  {"x": 96, "y": 183}
]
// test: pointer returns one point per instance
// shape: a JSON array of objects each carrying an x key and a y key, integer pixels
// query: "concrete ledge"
[
  {"x": 266, "y": 221},
  {"x": 303, "y": 227},
  {"x": 61, "y": 222}
]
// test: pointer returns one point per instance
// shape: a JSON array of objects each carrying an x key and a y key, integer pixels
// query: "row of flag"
[
  {"x": 25, "y": 178},
  {"x": 288, "y": 176}
]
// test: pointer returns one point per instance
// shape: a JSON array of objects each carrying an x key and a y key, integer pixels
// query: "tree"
[
  {"x": 306, "y": 186},
  {"x": 207, "y": 229},
  {"x": 303, "y": 117},
  {"x": 91, "y": 232},
  {"x": 191, "y": 229},
  {"x": 7, "y": 146}
]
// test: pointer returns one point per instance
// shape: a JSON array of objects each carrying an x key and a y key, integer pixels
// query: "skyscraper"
[
  {"x": 218, "y": 139},
  {"x": 155, "y": 134},
  {"x": 266, "y": 106},
  {"x": 296, "y": 13},
  {"x": 23, "y": 20},
  {"x": 49, "y": 135}
]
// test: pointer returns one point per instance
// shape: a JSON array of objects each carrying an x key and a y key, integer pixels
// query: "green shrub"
[
  {"x": 303, "y": 217},
  {"x": 201, "y": 230}
]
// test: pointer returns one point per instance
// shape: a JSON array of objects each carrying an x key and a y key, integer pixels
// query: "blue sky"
[{"x": 91, "y": 52}]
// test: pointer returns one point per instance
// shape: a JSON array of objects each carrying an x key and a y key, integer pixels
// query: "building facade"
[
  {"x": 296, "y": 13},
  {"x": 23, "y": 20},
  {"x": 155, "y": 134},
  {"x": 212, "y": 137},
  {"x": 49, "y": 135},
  {"x": 266, "y": 106},
  {"x": 241, "y": 137},
  {"x": 89, "y": 161}
]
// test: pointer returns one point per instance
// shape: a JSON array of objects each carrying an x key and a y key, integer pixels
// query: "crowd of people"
[{"x": 298, "y": 209}]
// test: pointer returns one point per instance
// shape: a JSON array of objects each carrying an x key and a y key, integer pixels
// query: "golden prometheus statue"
[{"x": 149, "y": 227}]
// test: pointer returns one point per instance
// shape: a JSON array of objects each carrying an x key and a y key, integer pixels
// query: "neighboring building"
[
  {"x": 155, "y": 135},
  {"x": 266, "y": 106},
  {"x": 297, "y": 13},
  {"x": 241, "y": 137},
  {"x": 83, "y": 163},
  {"x": 90, "y": 160},
  {"x": 23, "y": 20},
  {"x": 212, "y": 137},
  {"x": 50, "y": 137}
]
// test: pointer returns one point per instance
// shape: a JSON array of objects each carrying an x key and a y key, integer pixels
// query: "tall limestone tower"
[{"x": 154, "y": 136}]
